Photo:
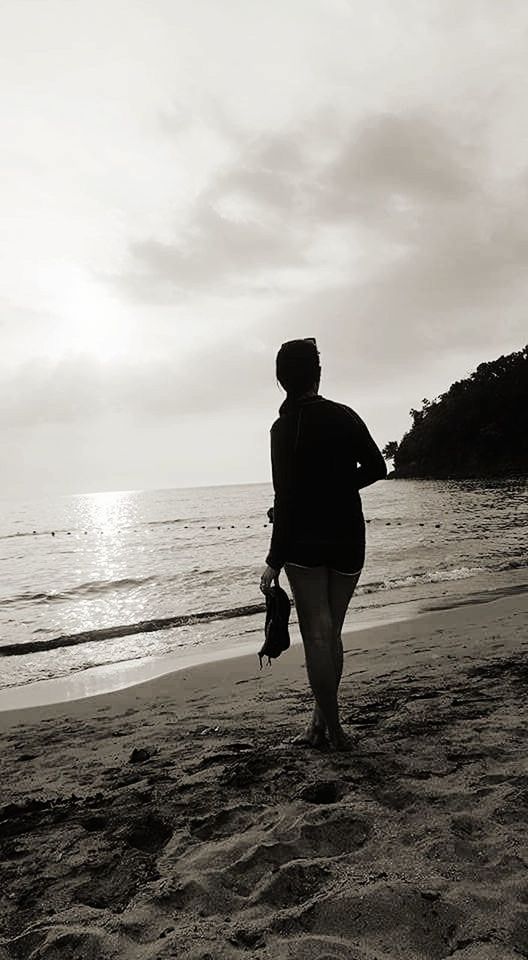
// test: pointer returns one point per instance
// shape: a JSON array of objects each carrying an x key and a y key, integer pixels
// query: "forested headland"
[{"x": 478, "y": 428}]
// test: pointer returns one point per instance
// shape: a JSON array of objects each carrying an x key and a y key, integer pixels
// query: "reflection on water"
[
  {"x": 107, "y": 511},
  {"x": 109, "y": 518},
  {"x": 504, "y": 486},
  {"x": 80, "y": 563}
]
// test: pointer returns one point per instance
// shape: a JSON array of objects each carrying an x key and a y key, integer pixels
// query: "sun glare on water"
[{"x": 106, "y": 515}]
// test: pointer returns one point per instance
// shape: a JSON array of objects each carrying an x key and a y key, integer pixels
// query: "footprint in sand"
[
  {"x": 94, "y": 824},
  {"x": 322, "y": 791},
  {"x": 385, "y": 913},
  {"x": 327, "y": 833},
  {"x": 292, "y": 884},
  {"x": 57, "y": 943},
  {"x": 149, "y": 833},
  {"x": 323, "y": 948},
  {"x": 330, "y": 834},
  {"x": 224, "y": 823}
]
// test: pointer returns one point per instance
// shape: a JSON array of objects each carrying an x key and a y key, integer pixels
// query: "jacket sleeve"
[
  {"x": 372, "y": 466},
  {"x": 281, "y": 470}
]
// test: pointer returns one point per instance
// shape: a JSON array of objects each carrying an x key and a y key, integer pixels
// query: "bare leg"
[
  {"x": 340, "y": 591},
  {"x": 310, "y": 592}
]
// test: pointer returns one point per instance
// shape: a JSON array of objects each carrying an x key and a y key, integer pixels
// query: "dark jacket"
[{"x": 322, "y": 454}]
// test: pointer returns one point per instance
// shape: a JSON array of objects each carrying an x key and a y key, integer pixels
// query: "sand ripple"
[{"x": 213, "y": 844}]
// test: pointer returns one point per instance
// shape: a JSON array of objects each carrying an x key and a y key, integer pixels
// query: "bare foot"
[
  {"x": 319, "y": 741},
  {"x": 313, "y": 736},
  {"x": 342, "y": 742}
]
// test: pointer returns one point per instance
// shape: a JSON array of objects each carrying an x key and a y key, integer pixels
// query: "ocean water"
[{"x": 87, "y": 564}]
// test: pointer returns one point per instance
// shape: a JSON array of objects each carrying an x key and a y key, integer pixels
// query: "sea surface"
[{"x": 74, "y": 568}]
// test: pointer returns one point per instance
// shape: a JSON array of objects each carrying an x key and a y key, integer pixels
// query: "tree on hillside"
[
  {"x": 390, "y": 449},
  {"x": 479, "y": 427}
]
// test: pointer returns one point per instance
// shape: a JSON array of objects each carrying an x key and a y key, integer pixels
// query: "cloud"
[
  {"x": 263, "y": 213},
  {"x": 458, "y": 284},
  {"x": 215, "y": 250},
  {"x": 225, "y": 375},
  {"x": 431, "y": 247},
  {"x": 242, "y": 230},
  {"x": 389, "y": 165},
  {"x": 245, "y": 227}
]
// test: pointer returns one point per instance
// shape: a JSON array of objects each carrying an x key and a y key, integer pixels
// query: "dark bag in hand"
[{"x": 278, "y": 606}]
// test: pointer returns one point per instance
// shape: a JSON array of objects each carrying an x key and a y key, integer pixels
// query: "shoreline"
[
  {"x": 365, "y": 646},
  {"x": 114, "y": 676},
  {"x": 123, "y": 675}
]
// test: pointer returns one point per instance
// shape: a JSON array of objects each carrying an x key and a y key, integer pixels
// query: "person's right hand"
[{"x": 268, "y": 576}]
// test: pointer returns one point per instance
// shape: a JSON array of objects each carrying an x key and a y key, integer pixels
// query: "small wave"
[
  {"x": 30, "y": 598},
  {"x": 31, "y": 533},
  {"x": 429, "y": 576},
  {"x": 513, "y": 565},
  {"x": 82, "y": 590},
  {"x": 106, "y": 586},
  {"x": 439, "y": 576},
  {"x": 372, "y": 586},
  {"x": 164, "y": 523},
  {"x": 126, "y": 630}
]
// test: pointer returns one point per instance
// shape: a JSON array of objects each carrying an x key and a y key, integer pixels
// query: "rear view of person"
[{"x": 322, "y": 454}]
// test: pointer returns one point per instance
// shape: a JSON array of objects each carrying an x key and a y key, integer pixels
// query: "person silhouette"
[{"x": 322, "y": 454}]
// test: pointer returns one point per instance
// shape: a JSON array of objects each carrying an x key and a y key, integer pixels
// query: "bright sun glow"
[
  {"x": 93, "y": 322},
  {"x": 98, "y": 331},
  {"x": 96, "y": 325}
]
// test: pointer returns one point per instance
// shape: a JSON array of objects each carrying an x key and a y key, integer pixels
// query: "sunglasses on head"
[{"x": 303, "y": 340}]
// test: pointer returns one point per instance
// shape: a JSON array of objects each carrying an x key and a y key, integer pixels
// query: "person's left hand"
[{"x": 267, "y": 578}]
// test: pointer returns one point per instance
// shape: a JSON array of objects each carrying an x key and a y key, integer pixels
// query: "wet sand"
[{"x": 175, "y": 818}]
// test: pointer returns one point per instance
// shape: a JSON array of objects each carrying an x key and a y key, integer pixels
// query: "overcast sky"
[{"x": 185, "y": 184}]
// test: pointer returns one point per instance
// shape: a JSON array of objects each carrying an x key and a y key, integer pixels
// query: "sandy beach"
[{"x": 175, "y": 819}]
